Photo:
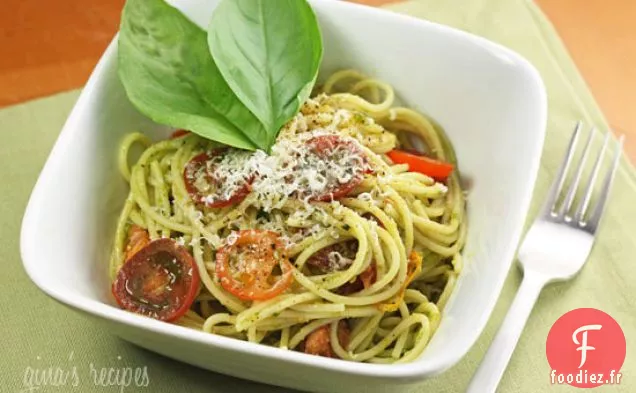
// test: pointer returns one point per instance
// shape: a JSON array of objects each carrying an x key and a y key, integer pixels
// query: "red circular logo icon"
[{"x": 585, "y": 348}]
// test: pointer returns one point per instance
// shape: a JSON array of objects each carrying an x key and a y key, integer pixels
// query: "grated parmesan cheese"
[
  {"x": 337, "y": 261},
  {"x": 232, "y": 238},
  {"x": 294, "y": 169}
]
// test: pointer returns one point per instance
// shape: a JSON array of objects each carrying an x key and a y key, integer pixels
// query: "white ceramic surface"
[{"x": 491, "y": 102}]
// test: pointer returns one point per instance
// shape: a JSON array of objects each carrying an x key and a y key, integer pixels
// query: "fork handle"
[{"x": 496, "y": 360}]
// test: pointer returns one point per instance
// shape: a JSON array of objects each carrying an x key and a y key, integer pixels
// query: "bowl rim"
[{"x": 403, "y": 372}]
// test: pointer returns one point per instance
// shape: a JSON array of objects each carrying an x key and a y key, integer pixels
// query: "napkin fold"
[{"x": 39, "y": 334}]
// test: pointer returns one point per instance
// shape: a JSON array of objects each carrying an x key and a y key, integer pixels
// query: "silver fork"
[{"x": 555, "y": 249}]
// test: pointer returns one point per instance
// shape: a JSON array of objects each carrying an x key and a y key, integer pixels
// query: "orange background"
[{"x": 51, "y": 46}]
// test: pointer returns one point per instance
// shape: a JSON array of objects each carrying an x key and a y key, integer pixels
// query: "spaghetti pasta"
[{"x": 404, "y": 230}]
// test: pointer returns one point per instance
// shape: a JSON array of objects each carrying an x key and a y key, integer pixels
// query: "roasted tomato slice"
[
  {"x": 338, "y": 257},
  {"x": 159, "y": 281},
  {"x": 318, "y": 342},
  {"x": 369, "y": 276},
  {"x": 246, "y": 265},
  {"x": 333, "y": 258},
  {"x": 207, "y": 187},
  {"x": 363, "y": 281},
  {"x": 344, "y": 153}
]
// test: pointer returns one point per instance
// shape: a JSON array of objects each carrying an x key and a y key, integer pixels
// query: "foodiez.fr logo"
[{"x": 586, "y": 348}]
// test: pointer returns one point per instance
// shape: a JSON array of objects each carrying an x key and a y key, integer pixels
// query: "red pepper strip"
[{"x": 438, "y": 170}]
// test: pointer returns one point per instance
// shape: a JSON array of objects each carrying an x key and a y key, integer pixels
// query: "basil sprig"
[{"x": 260, "y": 66}]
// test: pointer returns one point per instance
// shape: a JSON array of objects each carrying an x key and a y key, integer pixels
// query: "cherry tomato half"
[
  {"x": 324, "y": 262},
  {"x": 318, "y": 342},
  {"x": 325, "y": 147},
  {"x": 159, "y": 281},
  {"x": 363, "y": 281},
  {"x": 245, "y": 266},
  {"x": 179, "y": 134},
  {"x": 205, "y": 188}
]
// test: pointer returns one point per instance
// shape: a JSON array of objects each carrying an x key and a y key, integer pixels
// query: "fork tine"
[
  {"x": 607, "y": 185},
  {"x": 557, "y": 185},
  {"x": 569, "y": 198},
  {"x": 580, "y": 212}
]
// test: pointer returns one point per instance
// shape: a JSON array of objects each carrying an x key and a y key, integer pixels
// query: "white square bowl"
[{"x": 490, "y": 101}]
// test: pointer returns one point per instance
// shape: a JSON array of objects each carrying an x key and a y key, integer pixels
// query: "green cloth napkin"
[{"x": 38, "y": 333}]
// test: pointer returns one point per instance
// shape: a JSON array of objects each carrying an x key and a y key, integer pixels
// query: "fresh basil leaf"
[
  {"x": 169, "y": 75},
  {"x": 269, "y": 52}
]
